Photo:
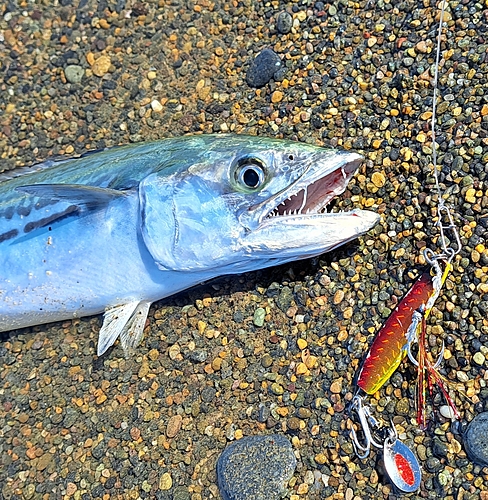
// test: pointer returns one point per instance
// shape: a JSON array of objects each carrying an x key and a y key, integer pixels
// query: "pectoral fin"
[
  {"x": 126, "y": 321},
  {"x": 80, "y": 195}
]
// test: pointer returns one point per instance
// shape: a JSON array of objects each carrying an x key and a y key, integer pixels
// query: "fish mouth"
[{"x": 310, "y": 195}]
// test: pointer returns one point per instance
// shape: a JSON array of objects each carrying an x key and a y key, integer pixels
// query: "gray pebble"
[
  {"x": 74, "y": 73},
  {"x": 259, "y": 315},
  {"x": 476, "y": 439},
  {"x": 256, "y": 467},
  {"x": 284, "y": 23},
  {"x": 262, "y": 69}
]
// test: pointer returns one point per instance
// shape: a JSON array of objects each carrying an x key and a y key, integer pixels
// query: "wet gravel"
[{"x": 275, "y": 351}]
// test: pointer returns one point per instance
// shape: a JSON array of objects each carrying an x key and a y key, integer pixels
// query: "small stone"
[
  {"x": 276, "y": 96},
  {"x": 262, "y": 69},
  {"x": 44, "y": 461},
  {"x": 302, "y": 344},
  {"x": 378, "y": 179},
  {"x": 372, "y": 41},
  {"x": 284, "y": 23},
  {"x": 479, "y": 358},
  {"x": 259, "y": 315},
  {"x": 277, "y": 389},
  {"x": 470, "y": 195},
  {"x": 156, "y": 106},
  {"x": 256, "y": 467},
  {"x": 165, "y": 482},
  {"x": 338, "y": 297},
  {"x": 101, "y": 66},
  {"x": 174, "y": 426},
  {"x": 447, "y": 412},
  {"x": 422, "y": 47},
  {"x": 74, "y": 73},
  {"x": 402, "y": 406},
  {"x": 336, "y": 387},
  {"x": 71, "y": 488},
  {"x": 266, "y": 361},
  {"x": 293, "y": 423}
]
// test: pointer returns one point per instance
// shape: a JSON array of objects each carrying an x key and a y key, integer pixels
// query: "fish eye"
[{"x": 250, "y": 172}]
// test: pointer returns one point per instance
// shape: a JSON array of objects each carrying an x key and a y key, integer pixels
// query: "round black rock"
[
  {"x": 476, "y": 439},
  {"x": 262, "y": 69},
  {"x": 256, "y": 467}
]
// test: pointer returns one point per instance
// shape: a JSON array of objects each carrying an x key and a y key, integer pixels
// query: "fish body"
[{"x": 115, "y": 230}]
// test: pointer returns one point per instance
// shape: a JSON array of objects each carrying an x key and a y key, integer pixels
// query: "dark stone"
[
  {"x": 476, "y": 439},
  {"x": 256, "y": 467},
  {"x": 208, "y": 394},
  {"x": 439, "y": 448},
  {"x": 262, "y": 69},
  {"x": 284, "y": 23}
]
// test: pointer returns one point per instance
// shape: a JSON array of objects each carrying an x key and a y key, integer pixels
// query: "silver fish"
[{"x": 119, "y": 229}]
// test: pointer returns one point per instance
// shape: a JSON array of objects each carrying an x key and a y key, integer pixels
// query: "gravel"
[{"x": 75, "y": 426}]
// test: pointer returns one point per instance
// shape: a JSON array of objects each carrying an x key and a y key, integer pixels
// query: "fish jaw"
[
  {"x": 299, "y": 237},
  {"x": 294, "y": 223}
]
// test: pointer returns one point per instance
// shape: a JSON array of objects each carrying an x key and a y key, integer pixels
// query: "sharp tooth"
[{"x": 304, "y": 201}]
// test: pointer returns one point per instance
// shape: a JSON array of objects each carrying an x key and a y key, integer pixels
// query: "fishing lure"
[{"x": 400, "y": 331}]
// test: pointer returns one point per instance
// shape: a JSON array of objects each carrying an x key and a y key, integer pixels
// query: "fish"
[{"x": 115, "y": 230}]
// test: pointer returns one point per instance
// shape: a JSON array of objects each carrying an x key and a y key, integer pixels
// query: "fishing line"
[{"x": 443, "y": 210}]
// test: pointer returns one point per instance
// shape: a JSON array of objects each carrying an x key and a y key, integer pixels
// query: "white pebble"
[
  {"x": 156, "y": 106},
  {"x": 447, "y": 412}
]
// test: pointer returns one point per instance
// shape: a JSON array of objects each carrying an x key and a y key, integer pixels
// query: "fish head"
[{"x": 245, "y": 203}]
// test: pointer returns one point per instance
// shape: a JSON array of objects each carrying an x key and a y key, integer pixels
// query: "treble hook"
[
  {"x": 367, "y": 422},
  {"x": 412, "y": 337}
]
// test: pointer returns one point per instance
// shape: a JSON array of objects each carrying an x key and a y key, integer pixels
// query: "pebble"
[
  {"x": 156, "y": 106},
  {"x": 476, "y": 439},
  {"x": 479, "y": 358},
  {"x": 101, "y": 66},
  {"x": 262, "y": 68},
  {"x": 256, "y": 467},
  {"x": 174, "y": 426},
  {"x": 165, "y": 481},
  {"x": 284, "y": 23},
  {"x": 74, "y": 73},
  {"x": 259, "y": 315}
]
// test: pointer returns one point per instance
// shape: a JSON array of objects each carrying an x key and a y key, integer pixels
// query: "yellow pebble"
[
  {"x": 378, "y": 179},
  {"x": 276, "y": 96},
  {"x": 302, "y": 343},
  {"x": 470, "y": 195}
]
